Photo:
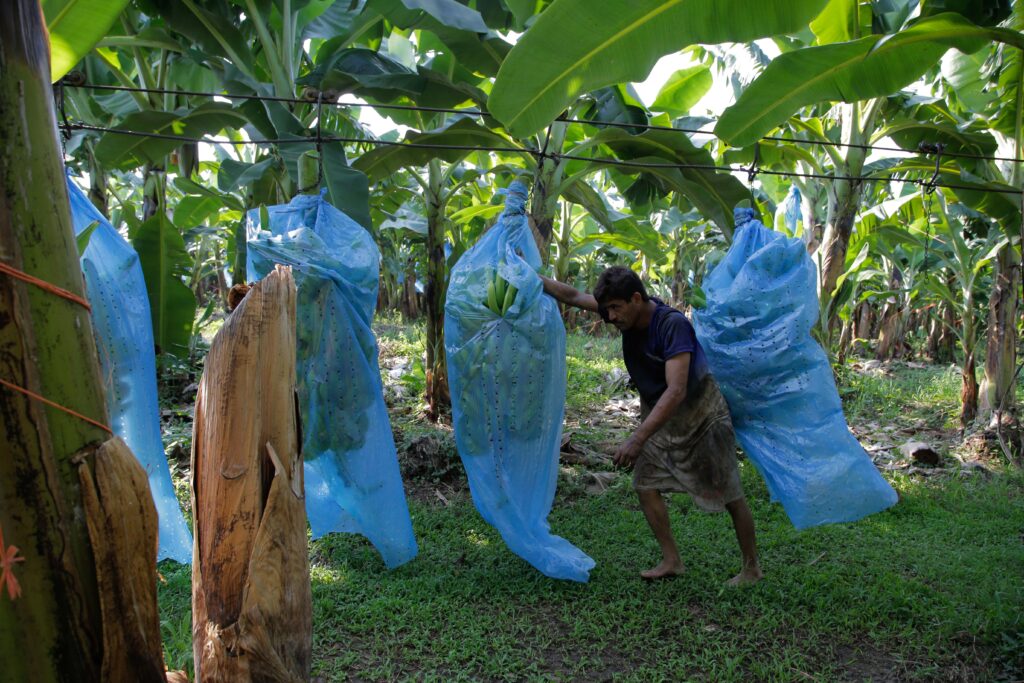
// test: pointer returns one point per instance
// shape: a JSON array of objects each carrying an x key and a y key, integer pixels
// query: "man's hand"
[{"x": 629, "y": 451}]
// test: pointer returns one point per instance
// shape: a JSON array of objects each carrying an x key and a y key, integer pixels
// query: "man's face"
[{"x": 624, "y": 313}]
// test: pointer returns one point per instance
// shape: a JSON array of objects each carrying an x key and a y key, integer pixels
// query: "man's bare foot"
[
  {"x": 749, "y": 575},
  {"x": 664, "y": 570}
]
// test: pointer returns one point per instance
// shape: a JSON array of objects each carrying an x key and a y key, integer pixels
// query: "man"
[{"x": 685, "y": 442}]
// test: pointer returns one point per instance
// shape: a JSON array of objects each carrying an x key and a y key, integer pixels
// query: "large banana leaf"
[
  {"x": 909, "y": 134},
  {"x": 966, "y": 78},
  {"x": 337, "y": 19},
  {"x": 75, "y": 26},
  {"x": 856, "y": 70},
  {"x": 480, "y": 51},
  {"x": 837, "y": 23},
  {"x": 349, "y": 188},
  {"x": 576, "y": 46},
  {"x": 715, "y": 194},
  {"x": 384, "y": 161},
  {"x": 450, "y": 13},
  {"x": 164, "y": 262},
  {"x": 981, "y": 12},
  {"x": 119, "y": 150},
  {"x": 630, "y": 236},
  {"x": 210, "y": 31},
  {"x": 989, "y": 198},
  {"x": 378, "y": 77},
  {"x": 683, "y": 90},
  {"x": 580, "y": 192}
]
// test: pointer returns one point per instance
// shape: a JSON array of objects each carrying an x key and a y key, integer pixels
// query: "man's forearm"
[
  {"x": 568, "y": 294},
  {"x": 662, "y": 411}
]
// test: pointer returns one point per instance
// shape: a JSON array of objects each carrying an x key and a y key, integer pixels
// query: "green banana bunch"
[{"x": 500, "y": 294}]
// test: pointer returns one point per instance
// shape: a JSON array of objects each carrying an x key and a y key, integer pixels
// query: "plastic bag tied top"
[
  {"x": 353, "y": 482},
  {"x": 761, "y": 305},
  {"x": 124, "y": 340},
  {"x": 507, "y": 377}
]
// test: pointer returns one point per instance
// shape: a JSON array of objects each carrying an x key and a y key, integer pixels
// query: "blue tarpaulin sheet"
[
  {"x": 124, "y": 339},
  {"x": 755, "y": 330},
  {"x": 353, "y": 483},
  {"x": 507, "y": 378}
]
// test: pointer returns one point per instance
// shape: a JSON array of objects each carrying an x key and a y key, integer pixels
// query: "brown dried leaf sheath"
[
  {"x": 251, "y": 601},
  {"x": 122, "y": 523}
]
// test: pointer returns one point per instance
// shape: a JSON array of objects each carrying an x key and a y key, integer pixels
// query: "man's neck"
[{"x": 644, "y": 320}]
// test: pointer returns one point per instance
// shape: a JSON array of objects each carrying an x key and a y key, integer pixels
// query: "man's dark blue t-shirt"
[{"x": 646, "y": 351}]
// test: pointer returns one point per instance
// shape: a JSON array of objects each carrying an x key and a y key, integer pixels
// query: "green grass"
[
  {"x": 932, "y": 393},
  {"x": 930, "y": 590}
]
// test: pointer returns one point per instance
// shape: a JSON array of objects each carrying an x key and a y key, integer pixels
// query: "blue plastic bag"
[
  {"x": 353, "y": 483},
  {"x": 124, "y": 339},
  {"x": 507, "y": 379},
  {"x": 755, "y": 330}
]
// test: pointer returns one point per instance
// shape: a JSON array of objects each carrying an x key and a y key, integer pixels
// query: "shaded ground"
[{"x": 931, "y": 590}]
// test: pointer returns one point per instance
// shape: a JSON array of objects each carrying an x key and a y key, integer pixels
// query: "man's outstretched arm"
[{"x": 569, "y": 295}]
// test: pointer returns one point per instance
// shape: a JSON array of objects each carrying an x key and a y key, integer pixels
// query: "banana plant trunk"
[
  {"x": 968, "y": 392},
  {"x": 865, "y": 320},
  {"x": 893, "y": 326},
  {"x": 80, "y": 599},
  {"x": 997, "y": 388},
  {"x": 947, "y": 340},
  {"x": 844, "y": 200},
  {"x": 544, "y": 202},
  {"x": 563, "y": 239},
  {"x": 438, "y": 396},
  {"x": 969, "y": 386},
  {"x": 843, "y": 208}
]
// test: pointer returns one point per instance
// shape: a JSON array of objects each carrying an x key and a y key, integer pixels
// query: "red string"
[
  {"x": 58, "y": 406},
  {"x": 44, "y": 285}
]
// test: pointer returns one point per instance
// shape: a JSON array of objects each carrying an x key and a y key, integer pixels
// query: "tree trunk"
[
  {"x": 947, "y": 340},
  {"x": 865, "y": 320},
  {"x": 436, "y": 370},
  {"x": 1000, "y": 355},
  {"x": 843, "y": 207},
  {"x": 890, "y": 334},
  {"x": 544, "y": 200},
  {"x": 845, "y": 338},
  {"x": 968, "y": 392},
  {"x": 410, "y": 297},
  {"x": 87, "y": 604},
  {"x": 251, "y": 601},
  {"x": 809, "y": 212},
  {"x": 934, "y": 335},
  {"x": 845, "y": 197}
]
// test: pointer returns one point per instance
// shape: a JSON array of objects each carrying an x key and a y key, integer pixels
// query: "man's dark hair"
[{"x": 618, "y": 282}]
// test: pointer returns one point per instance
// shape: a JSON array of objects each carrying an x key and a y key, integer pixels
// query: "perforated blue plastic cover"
[
  {"x": 755, "y": 330},
  {"x": 353, "y": 483},
  {"x": 124, "y": 340},
  {"x": 507, "y": 379}
]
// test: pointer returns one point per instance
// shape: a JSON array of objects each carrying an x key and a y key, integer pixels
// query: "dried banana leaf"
[{"x": 251, "y": 601}]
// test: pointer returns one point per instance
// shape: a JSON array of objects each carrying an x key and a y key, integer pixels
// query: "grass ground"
[{"x": 930, "y": 590}]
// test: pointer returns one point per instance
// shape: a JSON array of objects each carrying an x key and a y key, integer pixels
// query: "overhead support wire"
[
  {"x": 537, "y": 154},
  {"x": 314, "y": 95}
]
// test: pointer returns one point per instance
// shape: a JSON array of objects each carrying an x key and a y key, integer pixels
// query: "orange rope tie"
[
  {"x": 58, "y": 406},
  {"x": 44, "y": 285}
]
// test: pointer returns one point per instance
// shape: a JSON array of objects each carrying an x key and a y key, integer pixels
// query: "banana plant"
[
  {"x": 985, "y": 89},
  {"x": 439, "y": 176},
  {"x": 967, "y": 262},
  {"x": 863, "y": 53},
  {"x": 74, "y": 27},
  {"x": 578, "y": 46}
]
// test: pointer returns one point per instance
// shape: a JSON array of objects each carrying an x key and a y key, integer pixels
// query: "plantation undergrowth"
[{"x": 930, "y": 590}]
